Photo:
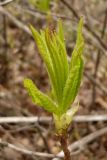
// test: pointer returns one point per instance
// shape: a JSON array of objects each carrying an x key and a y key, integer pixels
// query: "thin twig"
[
  {"x": 76, "y": 145},
  {"x": 5, "y": 53},
  {"x": 46, "y": 120},
  {"x": 98, "y": 59},
  {"x": 25, "y": 151},
  {"x": 96, "y": 82},
  {"x": 5, "y": 2},
  {"x": 35, "y": 13},
  {"x": 88, "y": 28},
  {"x": 27, "y": 30},
  {"x": 43, "y": 138},
  {"x": 15, "y": 20}
]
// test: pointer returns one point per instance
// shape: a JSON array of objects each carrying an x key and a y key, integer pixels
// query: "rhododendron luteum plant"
[{"x": 65, "y": 77}]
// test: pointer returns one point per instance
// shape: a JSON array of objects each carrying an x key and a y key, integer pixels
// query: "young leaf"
[
  {"x": 75, "y": 73},
  {"x": 62, "y": 49},
  {"x": 79, "y": 47},
  {"x": 65, "y": 77},
  {"x": 63, "y": 57},
  {"x": 40, "y": 98},
  {"x": 44, "y": 52},
  {"x": 56, "y": 61},
  {"x": 55, "y": 50},
  {"x": 72, "y": 85},
  {"x": 60, "y": 31}
]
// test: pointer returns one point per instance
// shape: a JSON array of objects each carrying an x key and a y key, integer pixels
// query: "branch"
[
  {"x": 35, "y": 13},
  {"x": 80, "y": 144},
  {"x": 25, "y": 151},
  {"x": 98, "y": 60},
  {"x": 88, "y": 28},
  {"x": 5, "y": 2},
  {"x": 46, "y": 120},
  {"x": 15, "y": 20},
  {"x": 26, "y": 29},
  {"x": 97, "y": 83}
]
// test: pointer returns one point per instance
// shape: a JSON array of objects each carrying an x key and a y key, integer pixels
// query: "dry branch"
[
  {"x": 88, "y": 28},
  {"x": 35, "y": 13},
  {"x": 81, "y": 118},
  {"x": 78, "y": 145},
  {"x": 25, "y": 151},
  {"x": 15, "y": 20}
]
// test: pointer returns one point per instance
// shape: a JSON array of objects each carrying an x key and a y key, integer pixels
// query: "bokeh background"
[{"x": 19, "y": 58}]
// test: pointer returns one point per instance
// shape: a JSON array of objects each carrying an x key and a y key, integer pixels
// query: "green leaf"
[
  {"x": 44, "y": 52},
  {"x": 42, "y": 5},
  {"x": 53, "y": 52},
  {"x": 40, "y": 98},
  {"x": 63, "y": 57},
  {"x": 55, "y": 49},
  {"x": 56, "y": 61},
  {"x": 72, "y": 85},
  {"x": 62, "y": 49},
  {"x": 65, "y": 77},
  {"x": 76, "y": 69},
  {"x": 79, "y": 47},
  {"x": 60, "y": 31}
]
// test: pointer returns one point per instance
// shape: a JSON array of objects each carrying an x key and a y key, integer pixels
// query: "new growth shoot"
[{"x": 65, "y": 77}]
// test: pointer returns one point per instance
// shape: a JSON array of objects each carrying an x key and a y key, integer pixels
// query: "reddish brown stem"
[{"x": 64, "y": 145}]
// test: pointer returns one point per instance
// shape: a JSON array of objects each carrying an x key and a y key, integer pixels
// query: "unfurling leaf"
[
  {"x": 40, "y": 98},
  {"x": 65, "y": 77},
  {"x": 75, "y": 71}
]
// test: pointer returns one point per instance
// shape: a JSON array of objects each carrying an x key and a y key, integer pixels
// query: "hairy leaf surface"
[
  {"x": 75, "y": 73},
  {"x": 40, "y": 98},
  {"x": 65, "y": 77},
  {"x": 45, "y": 54}
]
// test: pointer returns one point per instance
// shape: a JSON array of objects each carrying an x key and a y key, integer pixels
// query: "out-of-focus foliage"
[{"x": 42, "y": 5}]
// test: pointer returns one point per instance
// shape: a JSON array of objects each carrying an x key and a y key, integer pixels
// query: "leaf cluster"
[{"x": 65, "y": 77}]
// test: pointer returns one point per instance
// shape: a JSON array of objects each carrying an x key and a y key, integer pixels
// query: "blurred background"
[{"x": 19, "y": 58}]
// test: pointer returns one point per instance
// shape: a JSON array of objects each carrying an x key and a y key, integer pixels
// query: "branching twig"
[
  {"x": 96, "y": 82},
  {"x": 26, "y": 29},
  {"x": 88, "y": 28},
  {"x": 15, "y": 20},
  {"x": 76, "y": 145},
  {"x": 35, "y": 13}
]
